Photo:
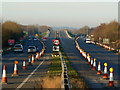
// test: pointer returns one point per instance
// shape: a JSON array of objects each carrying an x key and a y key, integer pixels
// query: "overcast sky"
[{"x": 73, "y": 14}]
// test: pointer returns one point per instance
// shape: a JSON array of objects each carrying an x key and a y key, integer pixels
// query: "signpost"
[
  {"x": 11, "y": 41},
  {"x": 56, "y": 42},
  {"x": 106, "y": 41},
  {"x": 44, "y": 38},
  {"x": 55, "y": 48}
]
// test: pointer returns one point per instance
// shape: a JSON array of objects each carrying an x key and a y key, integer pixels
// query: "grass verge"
[{"x": 55, "y": 68}]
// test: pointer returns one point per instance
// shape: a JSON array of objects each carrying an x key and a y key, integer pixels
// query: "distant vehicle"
[
  {"x": 18, "y": 48},
  {"x": 87, "y": 40},
  {"x": 35, "y": 39},
  {"x": 32, "y": 49},
  {"x": 30, "y": 39}
]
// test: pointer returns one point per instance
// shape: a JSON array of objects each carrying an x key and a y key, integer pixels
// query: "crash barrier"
[
  {"x": 65, "y": 84},
  {"x": 96, "y": 65},
  {"x": 31, "y": 61}
]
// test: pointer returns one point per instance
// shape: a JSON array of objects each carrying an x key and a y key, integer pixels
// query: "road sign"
[
  {"x": 55, "y": 48},
  {"x": 106, "y": 41},
  {"x": 44, "y": 38},
  {"x": 11, "y": 41},
  {"x": 56, "y": 42}
]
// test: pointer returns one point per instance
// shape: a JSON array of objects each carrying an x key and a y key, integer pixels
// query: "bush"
[{"x": 10, "y": 30}]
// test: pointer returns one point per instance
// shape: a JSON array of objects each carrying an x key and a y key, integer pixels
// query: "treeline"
[
  {"x": 13, "y": 30},
  {"x": 32, "y": 29},
  {"x": 108, "y": 30},
  {"x": 82, "y": 30},
  {"x": 10, "y": 30}
]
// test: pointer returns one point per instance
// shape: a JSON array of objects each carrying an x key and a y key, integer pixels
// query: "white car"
[
  {"x": 18, "y": 48},
  {"x": 87, "y": 40},
  {"x": 32, "y": 49},
  {"x": 35, "y": 39}
]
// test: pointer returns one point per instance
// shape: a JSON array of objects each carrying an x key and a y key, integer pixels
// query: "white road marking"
[
  {"x": 68, "y": 34},
  {"x": 29, "y": 76}
]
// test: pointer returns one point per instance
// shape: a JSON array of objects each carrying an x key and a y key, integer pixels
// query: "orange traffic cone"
[
  {"x": 29, "y": 62},
  {"x": 15, "y": 73},
  {"x": 88, "y": 58},
  {"x": 4, "y": 76},
  {"x": 24, "y": 65},
  {"x": 105, "y": 76},
  {"x": 94, "y": 64},
  {"x": 33, "y": 60},
  {"x": 111, "y": 82},
  {"x": 37, "y": 56},
  {"x": 42, "y": 52},
  {"x": 99, "y": 68},
  {"x": 91, "y": 63},
  {"x": 80, "y": 51}
]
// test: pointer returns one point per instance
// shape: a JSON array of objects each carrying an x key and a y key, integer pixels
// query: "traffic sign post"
[
  {"x": 44, "y": 38},
  {"x": 56, "y": 42},
  {"x": 55, "y": 48}
]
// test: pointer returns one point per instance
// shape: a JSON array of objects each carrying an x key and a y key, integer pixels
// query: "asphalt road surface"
[
  {"x": 82, "y": 67},
  {"x": 43, "y": 62}
]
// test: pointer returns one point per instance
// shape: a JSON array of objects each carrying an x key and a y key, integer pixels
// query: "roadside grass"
[{"x": 55, "y": 68}]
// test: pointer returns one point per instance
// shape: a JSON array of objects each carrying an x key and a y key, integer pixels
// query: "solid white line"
[
  {"x": 29, "y": 76},
  {"x": 68, "y": 34}
]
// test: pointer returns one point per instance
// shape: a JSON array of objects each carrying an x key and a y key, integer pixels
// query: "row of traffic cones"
[
  {"x": 15, "y": 72},
  {"x": 92, "y": 62}
]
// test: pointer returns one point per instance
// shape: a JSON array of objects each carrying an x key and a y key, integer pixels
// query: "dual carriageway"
[{"x": 77, "y": 61}]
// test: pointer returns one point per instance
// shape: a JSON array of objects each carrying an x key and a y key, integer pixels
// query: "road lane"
[
  {"x": 80, "y": 64},
  {"x": 8, "y": 59},
  {"x": 102, "y": 55}
]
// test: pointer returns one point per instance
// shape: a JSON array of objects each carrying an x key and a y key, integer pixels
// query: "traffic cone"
[
  {"x": 37, "y": 56},
  {"x": 94, "y": 64},
  {"x": 99, "y": 68},
  {"x": 24, "y": 65},
  {"x": 88, "y": 58},
  {"x": 80, "y": 51},
  {"x": 91, "y": 63},
  {"x": 33, "y": 60},
  {"x": 40, "y": 54},
  {"x": 15, "y": 73},
  {"x": 105, "y": 76},
  {"x": 4, "y": 76},
  {"x": 111, "y": 82},
  {"x": 29, "y": 62}
]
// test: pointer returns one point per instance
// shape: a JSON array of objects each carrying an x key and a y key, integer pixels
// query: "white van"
[{"x": 87, "y": 40}]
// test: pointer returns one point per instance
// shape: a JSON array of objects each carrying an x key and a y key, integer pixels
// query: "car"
[
  {"x": 35, "y": 39},
  {"x": 87, "y": 40},
  {"x": 32, "y": 49},
  {"x": 18, "y": 48}
]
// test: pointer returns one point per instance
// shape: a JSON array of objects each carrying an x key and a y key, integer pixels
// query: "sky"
[{"x": 72, "y": 14}]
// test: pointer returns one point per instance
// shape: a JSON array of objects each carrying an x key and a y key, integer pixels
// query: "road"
[
  {"x": 8, "y": 59},
  {"x": 81, "y": 65},
  {"x": 101, "y": 55},
  {"x": 28, "y": 80}
]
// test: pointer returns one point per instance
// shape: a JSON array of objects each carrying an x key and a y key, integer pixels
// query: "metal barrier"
[{"x": 65, "y": 83}]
